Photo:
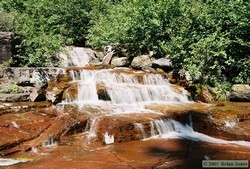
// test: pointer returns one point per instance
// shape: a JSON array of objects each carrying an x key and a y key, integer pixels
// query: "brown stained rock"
[
  {"x": 71, "y": 92},
  {"x": 35, "y": 130},
  {"x": 121, "y": 129},
  {"x": 18, "y": 128},
  {"x": 56, "y": 87},
  {"x": 211, "y": 119},
  {"x": 37, "y": 127},
  {"x": 214, "y": 122},
  {"x": 205, "y": 96},
  {"x": 153, "y": 153},
  {"x": 124, "y": 128}
]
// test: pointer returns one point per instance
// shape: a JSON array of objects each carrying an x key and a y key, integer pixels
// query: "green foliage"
[
  {"x": 209, "y": 39},
  {"x": 6, "y": 21},
  {"x": 137, "y": 25},
  {"x": 45, "y": 26},
  {"x": 13, "y": 88},
  {"x": 221, "y": 91},
  {"x": 7, "y": 63}
]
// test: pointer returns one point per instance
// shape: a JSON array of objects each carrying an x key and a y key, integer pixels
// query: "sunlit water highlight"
[
  {"x": 127, "y": 92},
  {"x": 171, "y": 129}
]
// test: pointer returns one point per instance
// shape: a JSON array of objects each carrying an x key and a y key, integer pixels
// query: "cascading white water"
[
  {"x": 128, "y": 92},
  {"x": 169, "y": 128},
  {"x": 141, "y": 127},
  {"x": 74, "y": 56}
]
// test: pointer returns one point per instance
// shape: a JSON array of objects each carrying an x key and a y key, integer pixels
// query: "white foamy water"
[
  {"x": 168, "y": 128},
  {"x": 9, "y": 162},
  {"x": 74, "y": 56},
  {"x": 108, "y": 139},
  {"x": 127, "y": 92},
  {"x": 230, "y": 123}
]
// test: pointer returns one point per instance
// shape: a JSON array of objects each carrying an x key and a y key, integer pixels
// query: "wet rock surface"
[
  {"x": 154, "y": 153},
  {"x": 14, "y": 97},
  {"x": 60, "y": 136},
  {"x": 22, "y": 131}
]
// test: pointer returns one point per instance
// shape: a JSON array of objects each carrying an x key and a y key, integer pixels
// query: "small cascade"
[
  {"x": 162, "y": 126},
  {"x": 128, "y": 91},
  {"x": 92, "y": 130},
  {"x": 74, "y": 56},
  {"x": 50, "y": 142},
  {"x": 169, "y": 128},
  {"x": 87, "y": 87},
  {"x": 141, "y": 127}
]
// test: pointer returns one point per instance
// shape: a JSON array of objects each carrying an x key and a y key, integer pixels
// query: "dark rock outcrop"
[
  {"x": 6, "y": 46},
  {"x": 38, "y": 94},
  {"x": 14, "y": 97}
]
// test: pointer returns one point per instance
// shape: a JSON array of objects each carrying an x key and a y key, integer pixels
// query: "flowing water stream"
[
  {"x": 131, "y": 92},
  {"x": 112, "y": 95}
]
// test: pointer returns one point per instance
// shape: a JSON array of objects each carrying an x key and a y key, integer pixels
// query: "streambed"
[{"x": 133, "y": 147}]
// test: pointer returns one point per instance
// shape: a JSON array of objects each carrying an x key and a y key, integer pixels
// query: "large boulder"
[
  {"x": 241, "y": 88},
  {"x": 120, "y": 62},
  {"x": 141, "y": 61},
  {"x": 163, "y": 63},
  {"x": 240, "y": 93},
  {"x": 107, "y": 58}
]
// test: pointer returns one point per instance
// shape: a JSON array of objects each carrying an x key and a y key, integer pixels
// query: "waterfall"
[
  {"x": 74, "y": 56},
  {"x": 128, "y": 91}
]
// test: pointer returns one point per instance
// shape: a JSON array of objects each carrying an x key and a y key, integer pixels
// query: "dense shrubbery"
[
  {"x": 44, "y": 26},
  {"x": 6, "y": 21},
  {"x": 207, "y": 38}
]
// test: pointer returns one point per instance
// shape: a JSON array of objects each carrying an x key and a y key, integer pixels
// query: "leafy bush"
[
  {"x": 45, "y": 26},
  {"x": 209, "y": 39},
  {"x": 13, "y": 88},
  {"x": 137, "y": 25},
  {"x": 6, "y": 21}
]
